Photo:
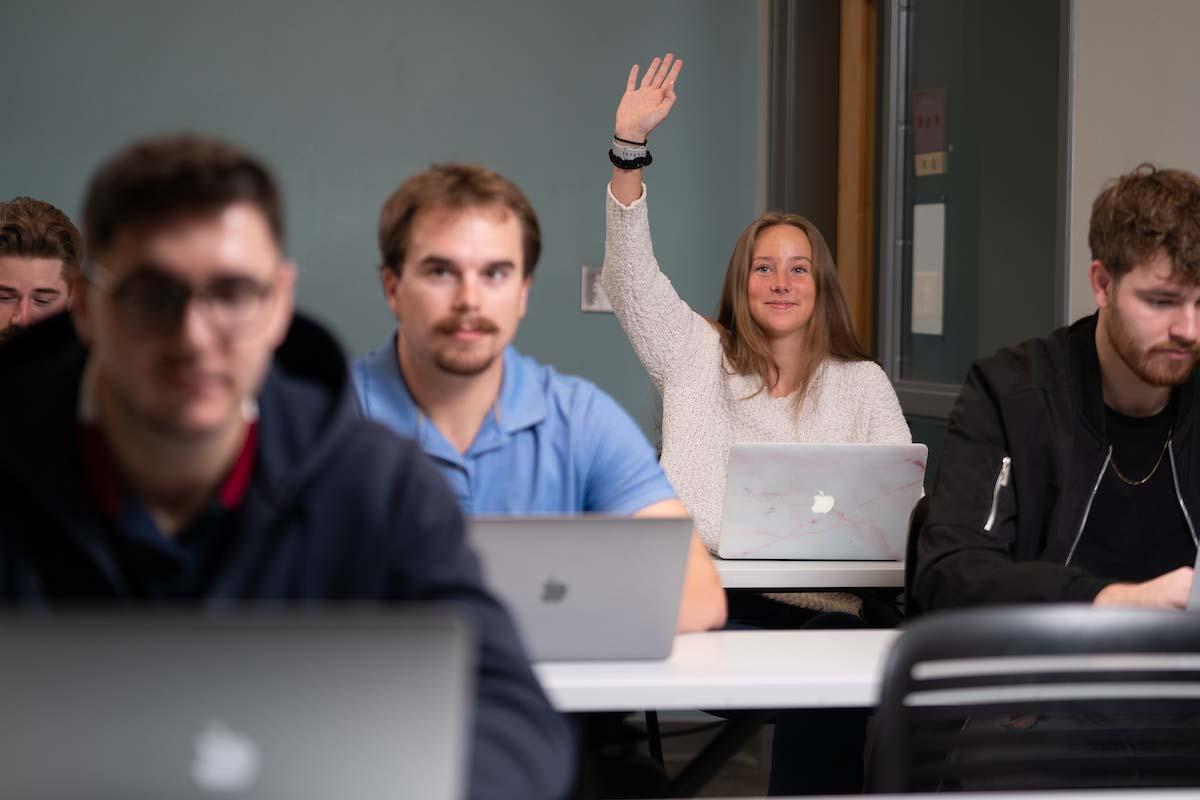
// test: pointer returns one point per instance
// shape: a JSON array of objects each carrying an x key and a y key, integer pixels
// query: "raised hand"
[{"x": 643, "y": 107}]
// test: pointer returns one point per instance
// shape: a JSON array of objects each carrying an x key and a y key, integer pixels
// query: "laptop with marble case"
[{"x": 847, "y": 502}]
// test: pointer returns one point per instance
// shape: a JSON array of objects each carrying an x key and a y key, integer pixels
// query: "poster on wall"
[{"x": 928, "y": 267}]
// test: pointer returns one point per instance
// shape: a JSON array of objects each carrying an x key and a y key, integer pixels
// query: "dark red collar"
[{"x": 106, "y": 488}]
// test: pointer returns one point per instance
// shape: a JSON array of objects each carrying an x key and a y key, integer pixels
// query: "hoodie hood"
[{"x": 297, "y": 434}]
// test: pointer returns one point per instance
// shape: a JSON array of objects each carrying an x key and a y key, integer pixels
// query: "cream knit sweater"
[{"x": 705, "y": 409}]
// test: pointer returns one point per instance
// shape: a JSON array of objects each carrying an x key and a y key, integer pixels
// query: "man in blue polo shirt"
[{"x": 512, "y": 436}]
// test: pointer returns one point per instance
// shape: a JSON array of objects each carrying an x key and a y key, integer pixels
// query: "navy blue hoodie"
[{"x": 338, "y": 508}]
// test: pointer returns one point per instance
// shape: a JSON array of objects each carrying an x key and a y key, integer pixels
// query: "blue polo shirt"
[{"x": 552, "y": 444}]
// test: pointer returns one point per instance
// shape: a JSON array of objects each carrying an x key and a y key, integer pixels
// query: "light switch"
[{"x": 591, "y": 292}]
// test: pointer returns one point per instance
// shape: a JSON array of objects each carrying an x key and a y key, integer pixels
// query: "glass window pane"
[{"x": 985, "y": 75}]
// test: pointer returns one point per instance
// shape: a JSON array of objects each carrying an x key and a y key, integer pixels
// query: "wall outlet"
[{"x": 591, "y": 292}]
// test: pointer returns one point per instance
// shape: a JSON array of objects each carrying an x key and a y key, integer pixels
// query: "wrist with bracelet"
[{"x": 629, "y": 154}]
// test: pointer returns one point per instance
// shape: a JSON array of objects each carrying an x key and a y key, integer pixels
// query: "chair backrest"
[
  {"x": 1047, "y": 696},
  {"x": 916, "y": 522}
]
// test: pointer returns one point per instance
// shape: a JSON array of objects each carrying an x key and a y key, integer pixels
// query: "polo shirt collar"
[
  {"x": 522, "y": 401},
  {"x": 521, "y": 404}
]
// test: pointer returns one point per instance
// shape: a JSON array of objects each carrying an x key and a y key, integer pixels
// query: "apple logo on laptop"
[
  {"x": 225, "y": 760},
  {"x": 822, "y": 503},
  {"x": 553, "y": 591}
]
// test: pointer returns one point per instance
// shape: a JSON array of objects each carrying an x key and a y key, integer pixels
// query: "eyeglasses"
[{"x": 153, "y": 302}]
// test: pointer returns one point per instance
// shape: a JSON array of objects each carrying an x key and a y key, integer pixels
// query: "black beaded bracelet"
[{"x": 630, "y": 163}]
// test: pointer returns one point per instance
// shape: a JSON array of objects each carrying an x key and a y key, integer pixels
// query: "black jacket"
[
  {"x": 992, "y": 537},
  {"x": 338, "y": 509}
]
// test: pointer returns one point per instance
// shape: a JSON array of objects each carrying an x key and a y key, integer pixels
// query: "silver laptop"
[
  {"x": 587, "y": 587},
  {"x": 352, "y": 705},
  {"x": 820, "y": 501}
]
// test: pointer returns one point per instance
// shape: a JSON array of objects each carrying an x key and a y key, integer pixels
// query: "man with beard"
[
  {"x": 459, "y": 244},
  {"x": 1068, "y": 469},
  {"x": 40, "y": 251}
]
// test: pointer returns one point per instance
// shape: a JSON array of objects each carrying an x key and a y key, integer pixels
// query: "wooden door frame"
[{"x": 857, "y": 66}]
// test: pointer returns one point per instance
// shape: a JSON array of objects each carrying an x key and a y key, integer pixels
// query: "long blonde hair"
[{"x": 829, "y": 333}]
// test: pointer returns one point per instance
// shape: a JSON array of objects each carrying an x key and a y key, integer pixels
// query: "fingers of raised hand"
[
  {"x": 631, "y": 82},
  {"x": 648, "y": 78},
  {"x": 660, "y": 71},
  {"x": 664, "y": 70},
  {"x": 672, "y": 77}
]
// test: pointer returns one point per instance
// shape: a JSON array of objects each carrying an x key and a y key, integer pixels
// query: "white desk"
[
  {"x": 738, "y": 574},
  {"x": 730, "y": 669}
]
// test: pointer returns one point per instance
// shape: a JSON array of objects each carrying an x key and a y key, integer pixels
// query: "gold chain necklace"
[{"x": 1153, "y": 469}]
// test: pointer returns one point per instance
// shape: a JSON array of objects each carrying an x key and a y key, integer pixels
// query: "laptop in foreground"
[
  {"x": 820, "y": 501},
  {"x": 587, "y": 587},
  {"x": 352, "y": 705}
]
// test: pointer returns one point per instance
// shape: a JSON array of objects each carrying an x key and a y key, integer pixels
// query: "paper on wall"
[{"x": 928, "y": 267}]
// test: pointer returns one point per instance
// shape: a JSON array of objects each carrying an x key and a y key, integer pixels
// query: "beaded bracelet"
[{"x": 630, "y": 163}]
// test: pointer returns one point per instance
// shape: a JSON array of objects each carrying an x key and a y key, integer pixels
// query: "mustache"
[
  {"x": 451, "y": 325},
  {"x": 1189, "y": 347}
]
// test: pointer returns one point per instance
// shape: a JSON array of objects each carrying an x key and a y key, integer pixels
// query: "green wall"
[{"x": 346, "y": 100}]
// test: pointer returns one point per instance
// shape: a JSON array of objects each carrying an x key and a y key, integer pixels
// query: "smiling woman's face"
[{"x": 781, "y": 287}]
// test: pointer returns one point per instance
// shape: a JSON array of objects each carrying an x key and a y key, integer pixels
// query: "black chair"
[
  {"x": 1047, "y": 696},
  {"x": 916, "y": 522}
]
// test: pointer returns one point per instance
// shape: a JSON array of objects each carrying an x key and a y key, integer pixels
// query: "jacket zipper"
[
  {"x": 1179, "y": 495},
  {"x": 1001, "y": 482},
  {"x": 1088, "y": 508}
]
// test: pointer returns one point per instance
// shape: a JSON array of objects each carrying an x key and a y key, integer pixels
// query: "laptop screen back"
[
  {"x": 820, "y": 501},
  {"x": 349, "y": 705},
  {"x": 587, "y": 587}
]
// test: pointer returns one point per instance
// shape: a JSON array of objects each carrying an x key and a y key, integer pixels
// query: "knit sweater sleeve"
[
  {"x": 886, "y": 423},
  {"x": 656, "y": 319}
]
